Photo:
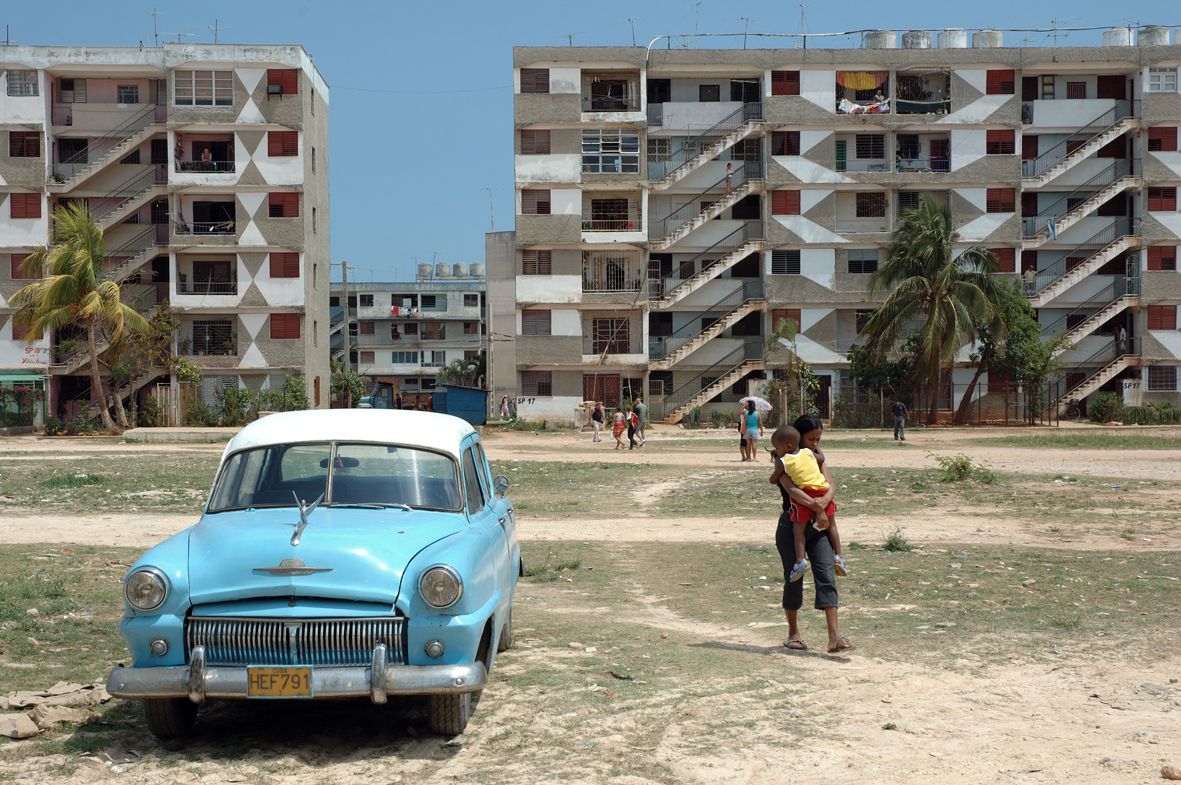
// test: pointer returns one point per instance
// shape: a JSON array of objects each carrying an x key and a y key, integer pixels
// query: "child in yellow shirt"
[{"x": 803, "y": 501}]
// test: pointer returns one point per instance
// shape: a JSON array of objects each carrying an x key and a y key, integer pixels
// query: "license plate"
[{"x": 279, "y": 682}]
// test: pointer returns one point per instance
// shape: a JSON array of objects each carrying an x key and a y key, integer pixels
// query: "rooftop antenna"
[
  {"x": 696, "y": 16},
  {"x": 747, "y": 20},
  {"x": 155, "y": 30},
  {"x": 491, "y": 210},
  {"x": 1056, "y": 22},
  {"x": 803, "y": 34},
  {"x": 178, "y": 35},
  {"x": 633, "y": 24},
  {"x": 215, "y": 28},
  {"x": 8, "y": 38},
  {"x": 569, "y": 37}
]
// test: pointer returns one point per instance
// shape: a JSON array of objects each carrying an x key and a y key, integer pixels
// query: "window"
[
  {"x": 23, "y": 332},
  {"x": 534, "y": 80},
  {"x": 909, "y": 147},
  {"x": 1160, "y": 80},
  {"x": 469, "y": 328},
  {"x": 471, "y": 301},
  {"x": 1161, "y": 257},
  {"x": 534, "y": 142},
  {"x": 367, "y": 357},
  {"x": 285, "y": 79},
  {"x": 366, "y": 300},
  {"x": 27, "y": 144},
  {"x": 131, "y": 158},
  {"x": 471, "y": 483},
  {"x": 73, "y": 151},
  {"x": 539, "y": 383},
  {"x": 470, "y": 355},
  {"x": 1028, "y": 147},
  {"x": 203, "y": 88},
  {"x": 17, "y": 271},
  {"x": 410, "y": 329},
  {"x": 785, "y": 203},
  {"x": 871, "y": 146},
  {"x": 746, "y": 209},
  {"x": 29, "y": 205},
  {"x": 1162, "y": 378},
  {"x": 660, "y": 91},
  {"x": 535, "y": 201},
  {"x": 313, "y": 220},
  {"x": 863, "y": 261},
  {"x": 1076, "y": 90},
  {"x": 1000, "y": 142},
  {"x": 709, "y": 93},
  {"x": 1162, "y": 317},
  {"x": 535, "y": 322},
  {"x": 785, "y": 143},
  {"x": 71, "y": 91},
  {"x": 404, "y": 358},
  {"x": 313, "y": 160},
  {"x": 284, "y": 326},
  {"x": 659, "y": 149},
  {"x": 284, "y": 265},
  {"x": 785, "y": 83},
  {"x": 747, "y": 326},
  {"x": 871, "y": 205},
  {"x": 1162, "y": 139},
  {"x": 610, "y": 151},
  {"x": 429, "y": 384},
  {"x": 434, "y": 302},
  {"x": 1112, "y": 86},
  {"x": 1162, "y": 200},
  {"x": 1001, "y": 200},
  {"x": 536, "y": 262},
  {"x": 1000, "y": 82},
  {"x": 1047, "y": 87},
  {"x": 790, "y": 314},
  {"x": 785, "y": 262},
  {"x": 25, "y": 83},
  {"x": 282, "y": 143},
  {"x": 860, "y": 319},
  {"x": 128, "y": 93},
  {"x": 159, "y": 151},
  {"x": 283, "y": 205},
  {"x": 213, "y": 336},
  {"x": 159, "y": 211},
  {"x": 1006, "y": 259},
  {"x": 747, "y": 150}
]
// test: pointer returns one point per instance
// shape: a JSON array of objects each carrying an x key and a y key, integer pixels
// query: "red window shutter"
[
  {"x": 284, "y": 326},
  {"x": 1028, "y": 147},
  {"x": 1000, "y": 142},
  {"x": 368, "y": 328},
  {"x": 1162, "y": 257},
  {"x": 1162, "y": 317},
  {"x": 286, "y": 78},
  {"x": 284, "y": 265},
  {"x": 785, "y": 83},
  {"x": 779, "y": 314},
  {"x": 282, "y": 143},
  {"x": 1000, "y": 82},
  {"x": 17, "y": 274},
  {"x": 25, "y": 205},
  {"x": 785, "y": 203},
  {"x": 534, "y": 80},
  {"x": 284, "y": 205},
  {"x": 1162, "y": 139},
  {"x": 1001, "y": 200},
  {"x": 1006, "y": 259},
  {"x": 1162, "y": 200},
  {"x": 785, "y": 143},
  {"x": 535, "y": 142},
  {"x": 1113, "y": 86},
  {"x": 535, "y": 201},
  {"x": 21, "y": 332},
  {"x": 367, "y": 357}
]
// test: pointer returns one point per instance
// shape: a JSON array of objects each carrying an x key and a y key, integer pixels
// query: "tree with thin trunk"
[
  {"x": 73, "y": 291},
  {"x": 943, "y": 294}
]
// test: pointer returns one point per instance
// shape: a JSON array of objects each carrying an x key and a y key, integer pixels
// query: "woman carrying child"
[{"x": 807, "y": 528}]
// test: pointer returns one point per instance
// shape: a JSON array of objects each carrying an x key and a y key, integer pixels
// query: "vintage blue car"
[{"x": 341, "y": 553}]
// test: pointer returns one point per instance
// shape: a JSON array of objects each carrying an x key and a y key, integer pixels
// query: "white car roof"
[{"x": 384, "y": 426}]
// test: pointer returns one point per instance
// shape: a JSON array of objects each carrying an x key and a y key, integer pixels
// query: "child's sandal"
[
  {"x": 798, "y": 571},
  {"x": 839, "y": 566}
]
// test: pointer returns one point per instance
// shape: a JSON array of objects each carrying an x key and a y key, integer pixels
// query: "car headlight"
[
  {"x": 440, "y": 586},
  {"x": 145, "y": 589}
]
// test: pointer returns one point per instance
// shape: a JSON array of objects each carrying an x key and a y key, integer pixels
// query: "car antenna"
[{"x": 304, "y": 512}]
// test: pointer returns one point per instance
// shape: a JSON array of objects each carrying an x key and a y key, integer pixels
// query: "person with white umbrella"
[{"x": 754, "y": 427}]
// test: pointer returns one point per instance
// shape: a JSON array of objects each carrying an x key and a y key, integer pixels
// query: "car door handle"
[{"x": 501, "y": 522}]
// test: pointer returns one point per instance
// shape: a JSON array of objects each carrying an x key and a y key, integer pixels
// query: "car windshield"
[{"x": 349, "y": 474}]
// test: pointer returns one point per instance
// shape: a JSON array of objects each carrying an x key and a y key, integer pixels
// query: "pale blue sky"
[{"x": 409, "y": 169}]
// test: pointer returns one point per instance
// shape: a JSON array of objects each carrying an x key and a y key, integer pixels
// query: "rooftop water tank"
[
  {"x": 478, "y": 270},
  {"x": 1154, "y": 35},
  {"x": 1118, "y": 36},
  {"x": 879, "y": 39},
  {"x": 916, "y": 39},
  {"x": 953, "y": 39},
  {"x": 424, "y": 270},
  {"x": 459, "y": 270},
  {"x": 442, "y": 270},
  {"x": 987, "y": 39}
]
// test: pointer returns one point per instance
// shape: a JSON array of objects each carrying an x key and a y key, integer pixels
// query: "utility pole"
[
  {"x": 491, "y": 209},
  {"x": 344, "y": 275}
]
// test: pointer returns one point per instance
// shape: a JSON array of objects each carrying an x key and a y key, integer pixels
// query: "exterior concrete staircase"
[
  {"x": 728, "y": 379},
  {"x": 1101, "y": 377},
  {"x": 705, "y": 336},
  {"x": 1117, "y": 306},
  {"x": 135, "y": 252},
  {"x": 130, "y": 196},
  {"x": 680, "y": 223},
  {"x": 710, "y": 144},
  {"x": 1057, "y": 279},
  {"x": 725, "y": 253},
  {"x": 1056, "y": 162},
  {"x": 112, "y": 147},
  {"x": 1112, "y": 181}
]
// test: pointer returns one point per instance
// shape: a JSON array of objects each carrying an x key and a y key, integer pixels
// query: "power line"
[{"x": 422, "y": 92}]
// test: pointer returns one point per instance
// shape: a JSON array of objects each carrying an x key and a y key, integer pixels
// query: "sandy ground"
[{"x": 1076, "y": 718}]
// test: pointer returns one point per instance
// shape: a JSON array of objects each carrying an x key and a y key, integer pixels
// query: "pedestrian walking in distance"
[
  {"x": 597, "y": 420},
  {"x": 641, "y": 410},
  {"x": 899, "y": 411}
]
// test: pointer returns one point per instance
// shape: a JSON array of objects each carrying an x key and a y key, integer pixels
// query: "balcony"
[
  {"x": 862, "y": 212},
  {"x": 207, "y": 287},
  {"x": 204, "y": 154},
  {"x": 204, "y": 228},
  {"x": 612, "y": 213},
  {"x": 863, "y": 92},
  {"x": 622, "y": 344},
  {"x": 612, "y": 271},
  {"x": 868, "y": 153},
  {"x": 923, "y": 153},
  {"x": 923, "y": 91},
  {"x": 205, "y": 167},
  {"x": 610, "y": 91}
]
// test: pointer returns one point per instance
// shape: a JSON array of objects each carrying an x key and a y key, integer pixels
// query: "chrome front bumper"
[{"x": 197, "y": 681}]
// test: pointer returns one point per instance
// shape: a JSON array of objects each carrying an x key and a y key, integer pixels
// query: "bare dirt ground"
[{"x": 1094, "y": 717}]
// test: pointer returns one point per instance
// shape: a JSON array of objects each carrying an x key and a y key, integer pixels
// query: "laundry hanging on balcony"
[{"x": 862, "y": 80}]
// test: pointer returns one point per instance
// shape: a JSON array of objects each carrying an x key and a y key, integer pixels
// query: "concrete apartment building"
[
  {"x": 207, "y": 167},
  {"x": 403, "y": 332},
  {"x": 673, "y": 205}
]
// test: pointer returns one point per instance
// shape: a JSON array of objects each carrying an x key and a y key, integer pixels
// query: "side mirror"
[{"x": 500, "y": 484}]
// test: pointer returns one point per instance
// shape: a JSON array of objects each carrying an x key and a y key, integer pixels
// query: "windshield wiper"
[{"x": 372, "y": 506}]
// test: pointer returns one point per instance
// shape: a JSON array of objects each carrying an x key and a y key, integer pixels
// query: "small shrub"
[
  {"x": 693, "y": 418},
  {"x": 53, "y": 426},
  {"x": 1064, "y": 620},
  {"x": 958, "y": 468},
  {"x": 551, "y": 572},
  {"x": 154, "y": 414},
  {"x": 75, "y": 481},
  {"x": 198, "y": 415},
  {"x": 856, "y": 546},
  {"x": 896, "y": 543},
  {"x": 889, "y": 726},
  {"x": 1106, "y": 407}
]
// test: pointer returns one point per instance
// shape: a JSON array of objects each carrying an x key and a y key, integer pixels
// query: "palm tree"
[
  {"x": 950, "y": 296},
  {"x": 73, "y": 291},
  {"x": 464, "y": 373}
]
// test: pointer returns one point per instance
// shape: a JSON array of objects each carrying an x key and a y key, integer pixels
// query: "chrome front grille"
[{"x": 323, "y": 642}]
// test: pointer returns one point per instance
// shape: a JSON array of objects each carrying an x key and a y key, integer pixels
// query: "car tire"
[
  {"x": 506, "y": 633},
  {"x": 448, "y": 715},
  {"x": 168, "y": 718}
]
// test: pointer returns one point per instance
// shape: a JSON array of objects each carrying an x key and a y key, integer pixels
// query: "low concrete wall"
[{"x": 180, "y": 435}]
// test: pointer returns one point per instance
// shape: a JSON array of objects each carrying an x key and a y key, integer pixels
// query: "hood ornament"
[
  {"x": 304, "y": 512},
  {"x": 292, "y": 567}
]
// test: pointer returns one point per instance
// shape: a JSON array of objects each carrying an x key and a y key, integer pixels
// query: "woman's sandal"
[
  {"x": 797, "y": 572},
  {"x": 839, "y": 566},
  {"x": 795, "y": 644},
  {"x": 838, "y": 647}
]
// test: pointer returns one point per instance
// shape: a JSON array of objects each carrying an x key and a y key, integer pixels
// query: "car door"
[
  {"x": 484, "y": 519},
  {"x": 504, "y": 508}
]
